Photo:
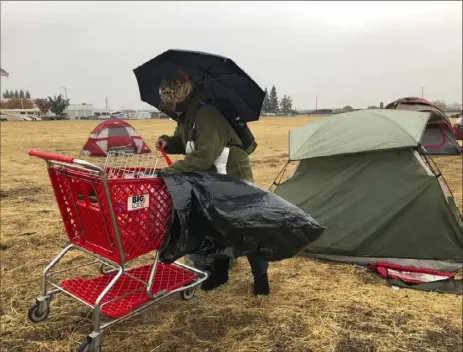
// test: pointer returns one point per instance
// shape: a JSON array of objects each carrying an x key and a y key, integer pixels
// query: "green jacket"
[{"x": 213, "y": 134}]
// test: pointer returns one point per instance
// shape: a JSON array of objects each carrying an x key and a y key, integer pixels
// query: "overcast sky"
[{"x": 353, "y": 53}]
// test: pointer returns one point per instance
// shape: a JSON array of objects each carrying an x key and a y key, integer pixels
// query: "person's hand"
[{"x": 161, "y": 144}]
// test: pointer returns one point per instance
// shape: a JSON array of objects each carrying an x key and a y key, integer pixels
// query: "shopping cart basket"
[{"x": 114, "y": 214}]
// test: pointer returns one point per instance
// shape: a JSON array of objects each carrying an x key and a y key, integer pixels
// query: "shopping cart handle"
[
  {"x": 51, "y": 156},
  {"x": 164, "y": 154}
]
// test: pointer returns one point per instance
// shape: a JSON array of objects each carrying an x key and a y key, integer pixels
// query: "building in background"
[
  {"x": 143, "y": 115},
  {"x": 78, "y": 110}
]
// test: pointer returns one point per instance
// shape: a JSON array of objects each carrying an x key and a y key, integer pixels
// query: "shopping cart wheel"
[
  {"x": 187, "y": 294},
  {"x": 105, "y": 271},
  {"x": 37, "y": 314},
  {"x": 86, "y": 346}
]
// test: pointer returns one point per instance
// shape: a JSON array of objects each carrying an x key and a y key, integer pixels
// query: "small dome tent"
[
  {"x": 438, "y": 137},
  {"x": 114, "y": 135}
]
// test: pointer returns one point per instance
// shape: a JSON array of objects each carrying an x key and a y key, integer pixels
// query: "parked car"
[
  {"x": 62, "y": 117},
  {"x": 458, "y": 128},
  {"x": 55, "y": 117}
]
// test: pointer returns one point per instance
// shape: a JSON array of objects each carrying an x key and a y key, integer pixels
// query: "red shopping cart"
[{"x": 114, "y": 214}]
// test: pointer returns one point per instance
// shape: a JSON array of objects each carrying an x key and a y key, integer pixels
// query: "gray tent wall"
[
  {"x": 440, "y": 141},
  {"x": 377, "y": 206}
]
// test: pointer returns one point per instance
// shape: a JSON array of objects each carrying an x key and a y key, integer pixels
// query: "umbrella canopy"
[
  {"x": 220, "y": 76},
  {"x": 357, "y": 132}
]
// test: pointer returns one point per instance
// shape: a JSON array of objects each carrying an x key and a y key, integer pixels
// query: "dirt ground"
[{"x": 313, "y": 306}]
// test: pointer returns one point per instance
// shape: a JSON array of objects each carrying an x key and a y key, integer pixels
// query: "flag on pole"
[{"x": 3, "y": 73}]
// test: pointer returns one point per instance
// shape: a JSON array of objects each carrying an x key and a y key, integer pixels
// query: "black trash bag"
[{"x": 220, "y": 215}]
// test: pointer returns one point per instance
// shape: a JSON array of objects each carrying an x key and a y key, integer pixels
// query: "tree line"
[
  {"x": 440, "y": 104},
  {"x": 444, "y": 106},
  {"x": 57, "y": 104},
  {"x": 21, "y": 94},
  {"x": 274, "y": 105}
]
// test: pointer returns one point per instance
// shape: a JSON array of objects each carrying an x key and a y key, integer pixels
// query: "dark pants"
[{"x": 258, "y": 265}]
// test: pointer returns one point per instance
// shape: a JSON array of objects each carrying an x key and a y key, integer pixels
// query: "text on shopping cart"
[{"x": 138, "y": 202}]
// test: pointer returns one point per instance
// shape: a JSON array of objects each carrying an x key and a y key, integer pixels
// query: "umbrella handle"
[{"x": 164, "y": 154}]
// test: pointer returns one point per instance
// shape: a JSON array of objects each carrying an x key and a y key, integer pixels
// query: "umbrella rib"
[
  {"x": 224, "y": 83},
  {"x": 225, "y": 75},
  {"x": 206, "y": 71}
]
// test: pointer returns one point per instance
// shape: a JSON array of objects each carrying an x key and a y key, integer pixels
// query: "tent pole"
[
  {"x": 277, "y": 180},
  {"x": 438, "y": 174}
]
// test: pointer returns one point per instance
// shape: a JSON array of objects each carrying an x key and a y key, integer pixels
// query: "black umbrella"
[{"x": 230, "y": 86}]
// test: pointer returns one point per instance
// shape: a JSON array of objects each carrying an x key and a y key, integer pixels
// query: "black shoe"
[
  {"x": 261, "y": 285},
  {"x": 219, "y": 275}
]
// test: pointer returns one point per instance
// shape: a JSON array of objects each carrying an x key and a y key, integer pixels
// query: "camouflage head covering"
[{"x": 176, "y": 87}]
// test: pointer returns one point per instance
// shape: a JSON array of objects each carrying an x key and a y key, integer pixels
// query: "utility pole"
[
  {"x": 65, "y": 93},
  {"x": 422, "y": 92},
  {"x": 66, "y": 97},
  {"x": 316, "y": 102},
  {"x": 106, "y": 101}
]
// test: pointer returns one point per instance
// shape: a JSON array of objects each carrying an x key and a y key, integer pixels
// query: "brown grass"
[{"x": 314, "y": 306}]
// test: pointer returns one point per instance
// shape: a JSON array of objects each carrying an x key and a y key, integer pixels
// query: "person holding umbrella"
[
  {"x": 209, "y": 143},
  {"x": 212, "y": 99}
]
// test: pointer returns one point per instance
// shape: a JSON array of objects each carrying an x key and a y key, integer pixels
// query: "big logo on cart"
[{"x": 138, "y": 202}]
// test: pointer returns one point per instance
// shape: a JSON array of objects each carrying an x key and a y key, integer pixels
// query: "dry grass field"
[{"x": 313, "y": 306}]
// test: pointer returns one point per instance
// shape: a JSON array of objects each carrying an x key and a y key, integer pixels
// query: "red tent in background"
[
  {"x": 438, "y": 138},
  {"x": 114, "y": 135}
]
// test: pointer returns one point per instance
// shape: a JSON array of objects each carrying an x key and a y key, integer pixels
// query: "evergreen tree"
[
  {"x": 6, "y": 94},
  {"x": 266, "y": 103},
  {"x": 286, "y": 104},
  {"x": 21, "y": 94},
  {"x": 273, "y": 100},
  {"x": 28, "y": 95},
  {"x": 16, "y": 94}
]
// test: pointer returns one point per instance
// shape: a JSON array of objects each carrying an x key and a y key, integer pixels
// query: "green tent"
[{"x": 364, "y": 176}]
